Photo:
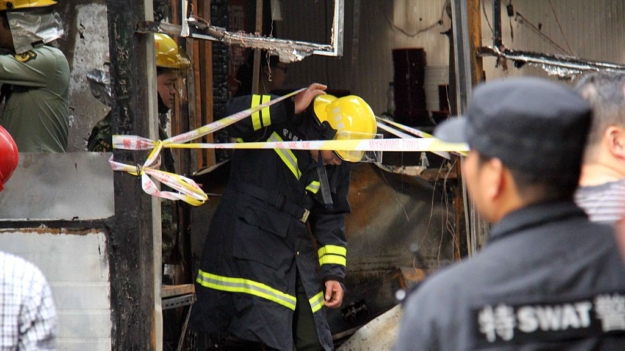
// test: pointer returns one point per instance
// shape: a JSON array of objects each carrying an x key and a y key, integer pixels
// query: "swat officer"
[{"x": 548, "y": 279}]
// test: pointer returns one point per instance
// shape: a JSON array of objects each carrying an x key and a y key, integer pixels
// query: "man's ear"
[
  {"x": 615, "y": 138},
  {"x": 494, "y": 178}
]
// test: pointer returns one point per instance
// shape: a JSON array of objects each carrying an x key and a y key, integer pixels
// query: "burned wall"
[{"x": 85, "y": 44}]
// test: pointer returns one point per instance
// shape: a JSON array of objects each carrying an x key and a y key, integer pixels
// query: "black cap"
[{"x": 531, "y": 124}]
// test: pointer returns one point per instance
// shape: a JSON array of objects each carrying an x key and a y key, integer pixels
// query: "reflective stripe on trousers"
[{"x": 247, "y": 286}]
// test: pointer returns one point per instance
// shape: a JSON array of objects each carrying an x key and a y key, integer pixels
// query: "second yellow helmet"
[{"x": 168, "y": 55}]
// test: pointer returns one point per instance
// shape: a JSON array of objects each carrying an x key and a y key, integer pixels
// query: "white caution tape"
[
  {"x": 130, "y": 142},
  {"x": 405, "y": 136},
  {"x": 351, "y": 145},
  {"x": 417, "y": 133},
  {"x": 191, "y": 193},
  {"x": 188, "y": 190}
]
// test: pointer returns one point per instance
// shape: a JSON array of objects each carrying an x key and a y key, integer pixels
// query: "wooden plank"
[
  {"x": 175, "y": 290},
  {"x": 475, "y": 38},
  {"x": 207, "y": 80},
  {"x": 257, "y": 54},
  {"x": 197, "y": 102}
]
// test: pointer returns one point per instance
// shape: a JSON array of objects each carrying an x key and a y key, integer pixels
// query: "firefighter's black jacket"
[{"x": 258, "y": 239}]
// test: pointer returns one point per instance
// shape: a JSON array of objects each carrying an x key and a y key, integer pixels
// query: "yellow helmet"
[
  {"x": 351, "y": 117},
  {"x": 24, "y": 4},
  {"x": 167, "y": 53}
]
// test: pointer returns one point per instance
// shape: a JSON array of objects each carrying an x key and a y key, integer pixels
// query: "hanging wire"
[
  {"x": 486, "y": 17},
  {"x": 439, "y": 22},
  {"x": 560, "y": 26},
  {"x": 541, "y": 34},
  {"x": 447, "y": 223}
]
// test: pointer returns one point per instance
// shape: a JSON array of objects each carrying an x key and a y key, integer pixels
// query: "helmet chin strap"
[
  {"x": 324, "y": 183},
  {"x": 328, "y": 132}
]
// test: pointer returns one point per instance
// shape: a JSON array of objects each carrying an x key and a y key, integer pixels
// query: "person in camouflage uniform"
[
  {"x": 169, "y": 64},
  {"x": 34, "y": 76}
]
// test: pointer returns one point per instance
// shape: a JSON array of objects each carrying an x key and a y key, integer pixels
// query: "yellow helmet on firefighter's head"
[
  {"x": 24, "y": 4},
  {"x": 168, "y": 55},
  {"x": 351, "y": 117}
]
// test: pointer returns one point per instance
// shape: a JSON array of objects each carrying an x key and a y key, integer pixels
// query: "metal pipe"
[
  {"x": 562, "y": 66},
  {"x": 497, "y": 42},
  {"x": 462, "y": 55}
]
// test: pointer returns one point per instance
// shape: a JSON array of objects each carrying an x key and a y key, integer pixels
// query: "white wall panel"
[{"x": 76, "y": 266}]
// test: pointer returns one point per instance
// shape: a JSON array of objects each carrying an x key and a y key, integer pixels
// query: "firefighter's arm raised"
[
  {"x": 252, "y": 128},
  {"x": 304, "y": 98}
]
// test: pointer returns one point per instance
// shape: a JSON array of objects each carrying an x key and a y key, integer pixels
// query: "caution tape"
[
  {"x": 432, "y": 145},
  {"x": 190, "y": 192},
  {"x": 419, "y": 134},
  {"x": 403, "y": 135},
  {"x": 138, "y": 143}
]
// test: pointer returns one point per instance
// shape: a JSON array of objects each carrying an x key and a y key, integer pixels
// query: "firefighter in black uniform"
[
  {"x": 548, "y": 278},
  {"x": 262, "y": 278}
]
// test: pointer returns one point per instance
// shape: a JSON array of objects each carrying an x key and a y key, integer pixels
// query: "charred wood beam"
[{"x": 131, "y": 241}]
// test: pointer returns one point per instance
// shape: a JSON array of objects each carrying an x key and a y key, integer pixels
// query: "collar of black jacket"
[{"x": 533, "y": 216}]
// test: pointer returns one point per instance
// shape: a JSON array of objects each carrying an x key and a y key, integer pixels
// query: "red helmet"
[{"x": 8, "y": 156}]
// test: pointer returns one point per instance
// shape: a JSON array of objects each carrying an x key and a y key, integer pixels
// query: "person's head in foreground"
[{"x": 526, "y": 139}]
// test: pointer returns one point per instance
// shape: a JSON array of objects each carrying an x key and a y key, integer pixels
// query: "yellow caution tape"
[
  {"x": 418, "y": 133},
  {"x": 351, "y": 145},
  {"x": 190, "y": 192},
  {"x": 403, "y": 135},
  {"x": 138, "y": 143}
]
